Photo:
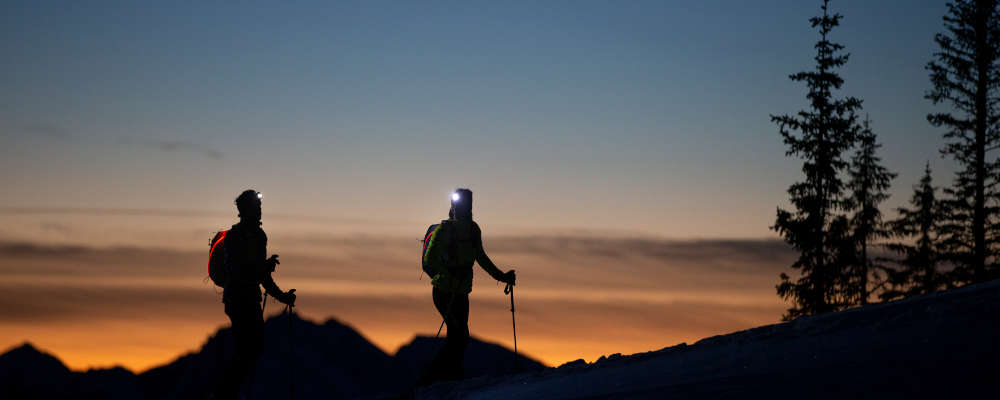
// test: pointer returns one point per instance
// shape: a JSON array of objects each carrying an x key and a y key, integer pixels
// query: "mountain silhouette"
[
  {"x": 27, "y": 373},
  {"x": 481, "y": 358},
  {"x": 331, "y": 361}
]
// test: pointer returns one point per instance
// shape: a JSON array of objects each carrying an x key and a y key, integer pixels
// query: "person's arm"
[
  {"x": 270, "y": 287},
  {"x": 266, "y": 268},
  {"x": 481, "y": 257}
]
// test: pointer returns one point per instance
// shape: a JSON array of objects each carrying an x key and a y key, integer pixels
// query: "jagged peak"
[
  {"x": 28, "y": 354},
  {"x": 26, "y": 346}
]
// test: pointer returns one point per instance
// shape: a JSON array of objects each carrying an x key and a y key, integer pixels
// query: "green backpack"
[{"x": 442, "y": 237}]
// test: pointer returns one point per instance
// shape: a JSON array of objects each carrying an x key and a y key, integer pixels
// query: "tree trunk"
[
  {"x": 983, "y": 61},
  {"x": 864, "y": 272}
]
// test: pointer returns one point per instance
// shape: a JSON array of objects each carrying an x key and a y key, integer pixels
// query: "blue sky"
[{"x": 648, "y": 116}]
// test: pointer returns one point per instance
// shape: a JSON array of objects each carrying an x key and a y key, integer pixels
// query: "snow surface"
[{"x": 942, "y": 345}]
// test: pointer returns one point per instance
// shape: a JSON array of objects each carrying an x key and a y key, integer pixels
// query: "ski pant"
[
  {"x": 248, "y": 332},
  {"x": 454, "y": 308}
]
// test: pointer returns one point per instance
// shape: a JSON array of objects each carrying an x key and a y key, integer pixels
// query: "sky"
[{"x": 621, "y": 154}]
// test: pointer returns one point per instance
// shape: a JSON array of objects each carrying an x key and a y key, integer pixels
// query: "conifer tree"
[
  {"x": 869, "y": 184},
  {"x": 819, "y": 136},
  {"x": 965, "y": 75},
  {"x": 919, "y": 228}
]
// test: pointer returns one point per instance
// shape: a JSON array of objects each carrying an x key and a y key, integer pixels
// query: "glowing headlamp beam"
[{"x": 454, "y": 197}]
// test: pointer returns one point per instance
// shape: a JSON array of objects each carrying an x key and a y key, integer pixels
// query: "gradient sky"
[{"x": 128, "y": 128}]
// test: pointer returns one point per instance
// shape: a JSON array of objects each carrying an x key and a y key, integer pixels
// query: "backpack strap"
[{"x": 452, "y": 245}]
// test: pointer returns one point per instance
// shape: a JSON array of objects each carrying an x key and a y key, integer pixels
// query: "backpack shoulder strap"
[{"x": 452, "y": 243}]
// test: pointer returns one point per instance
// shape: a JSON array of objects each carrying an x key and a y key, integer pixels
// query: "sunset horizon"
[{"x": 646, "y": 174}]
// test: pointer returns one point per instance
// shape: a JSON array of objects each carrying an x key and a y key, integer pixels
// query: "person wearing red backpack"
[
  {"x": 247, "y": 268},
  {"x": 453, "y": 246}
]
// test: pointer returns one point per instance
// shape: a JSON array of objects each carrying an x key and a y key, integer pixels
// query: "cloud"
[
  {"x": 66, "y": 303},
  {"x": 25, "y": 249},
  {"x": 162, "y": 212},
  {"x": 560, "y": 261},
  {"x": 46, "y": 129},
  {"x": 140, "y": 212},
  {"x": 184, "y": 146},
  {"x": 173, "y": 146},
  {"x": 705, "y": 251},
  {"x": 55, "y": 131},
  {"x": 55, "y": 227}
]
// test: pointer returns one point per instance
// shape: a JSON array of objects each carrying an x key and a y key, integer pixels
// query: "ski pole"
[
  {"x": 447, "y": 314},
  {"x": 510, "y": 289},
  {"x": 291, "y": 354},
  {"x": 439, "y": 329}
]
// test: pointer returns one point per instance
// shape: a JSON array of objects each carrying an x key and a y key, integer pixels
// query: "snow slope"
[{"x": 942, "y": 345}]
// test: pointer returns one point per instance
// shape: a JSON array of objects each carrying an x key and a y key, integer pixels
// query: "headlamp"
[
  {"x": 454, "y": 197},
  {"x": 260, "y": 195}
]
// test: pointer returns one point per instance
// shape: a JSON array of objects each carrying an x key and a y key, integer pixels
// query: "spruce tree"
[
  {"x": 819, "y": 136},
  {"x": 966, "y": 76},
  {"x": 919, "y": 228},
  {"x": 869, "y": 184}
]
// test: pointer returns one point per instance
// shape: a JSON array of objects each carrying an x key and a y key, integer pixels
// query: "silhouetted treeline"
[
  {"x": 965, "y": 76},
  {"x": 818, "y": 226},
  {"x": 869, "y": 185},
  {"x": 836, "y": 223},
  {"x": 918, "y": 252}
]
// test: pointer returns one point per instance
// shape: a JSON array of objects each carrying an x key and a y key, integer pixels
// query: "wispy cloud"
[
  {"x": 55, "y": 227},
  {"x": 166, "y": 212},
  {"x": 57, "y": 131},
  {"x": 184, "y": 146},
  {"x": 35, "y": 250},
  {"x": 174, "y": 146},
  {"x": 45, "y": 129},
  {"x": 750, "y": 251},
  {"x": 138, "y": 212}
]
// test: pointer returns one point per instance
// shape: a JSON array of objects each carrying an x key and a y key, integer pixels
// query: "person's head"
[
  {"x": 461, "y": 204},
  {"x": 248, "y": 204}
]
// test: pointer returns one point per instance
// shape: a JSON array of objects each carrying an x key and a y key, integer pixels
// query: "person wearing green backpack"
[{"x": 453, "y": 246}]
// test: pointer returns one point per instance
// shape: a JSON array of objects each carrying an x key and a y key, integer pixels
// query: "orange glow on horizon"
[
  {"x": 578, "y": 296},
  {"x": 140, "y": 348}
]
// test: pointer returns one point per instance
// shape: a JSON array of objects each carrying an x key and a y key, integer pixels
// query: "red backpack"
[{"x": 217, "y": 259}]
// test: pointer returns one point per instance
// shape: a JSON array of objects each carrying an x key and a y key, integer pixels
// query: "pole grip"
[{"x": 511, "y": 291}]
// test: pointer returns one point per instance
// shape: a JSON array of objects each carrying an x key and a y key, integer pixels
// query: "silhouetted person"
[
  {"x": 454, "y": 246},
  {"x": 247, "y": 268}
]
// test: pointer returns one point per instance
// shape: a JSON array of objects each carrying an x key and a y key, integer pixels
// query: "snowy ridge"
[{"x": 939, "y": 345}]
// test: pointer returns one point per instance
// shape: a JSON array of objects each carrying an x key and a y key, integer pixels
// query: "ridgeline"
[{"x": 941, "y": 345}]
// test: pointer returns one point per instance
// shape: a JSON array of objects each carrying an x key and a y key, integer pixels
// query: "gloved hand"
[
  {"x": 509, "y": 277},
  {"x": 287, "y": 297},
  {"x": 272, "y": 262}
]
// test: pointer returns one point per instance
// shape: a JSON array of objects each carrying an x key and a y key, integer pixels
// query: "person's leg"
[
  {"x": 246, "y": 332},
  {"x": 458, "y": 336},
  {"x": 436, "y": 369},
  {"x": 254, "y": 345},
  {"x": 229, "y": 387}
]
